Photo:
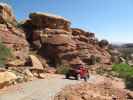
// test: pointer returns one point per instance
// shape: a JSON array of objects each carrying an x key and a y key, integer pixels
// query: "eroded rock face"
[
  {"x": 44, "y": 20},
  {"x": 88, "y": 45},
  {"x": 58, "y": 42},
  {"x": 14, "y": 38},
  {"x": 6, "y": 13},
  {"x": 16, "y": 43}
]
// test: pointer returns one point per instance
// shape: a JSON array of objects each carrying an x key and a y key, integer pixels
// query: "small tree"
[{"x": 103, "y": 43}]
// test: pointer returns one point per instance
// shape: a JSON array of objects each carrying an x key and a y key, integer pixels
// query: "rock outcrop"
[
  {"x": 6, "y": 14},
  {"x": 88, "y": 46},
  {"x": 55, "y": 40},
  {"x": 6, "y": 77},
  {"x": 11, "y": 36},
  {"x": 43, "y": 20}
]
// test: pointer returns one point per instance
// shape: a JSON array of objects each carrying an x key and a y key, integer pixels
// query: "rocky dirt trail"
[{"x": 43, "y": 89}]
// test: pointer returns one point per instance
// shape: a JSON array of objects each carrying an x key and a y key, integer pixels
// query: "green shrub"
[
  {"x": 103, "y": 43},
  {"x": 129, "y": 83},
  {"x": 63, "y": 69},
  {"x": 98, "y": 59},
  {"x": 4, "y": 54},
  {"x": 126, "y": 72},
  {"x": 101, "y": 71}
]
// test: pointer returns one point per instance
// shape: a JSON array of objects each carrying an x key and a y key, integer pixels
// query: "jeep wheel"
[
  {"x": 85, "y": 79},
  {"x": 67, "y": 76},
  {"x": 78, "y": 77}
]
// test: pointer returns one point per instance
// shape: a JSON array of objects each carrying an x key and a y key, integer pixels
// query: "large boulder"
[
  {"x": 6, "y": 78},
  {"x": 36, "y": 64},
  {"x": 28, "y": 75}
]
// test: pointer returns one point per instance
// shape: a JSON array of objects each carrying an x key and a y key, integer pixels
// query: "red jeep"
[{"x": 78, "y": 71}]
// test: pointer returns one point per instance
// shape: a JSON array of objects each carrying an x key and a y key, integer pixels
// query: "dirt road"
[{"x": 44, "y": 89}]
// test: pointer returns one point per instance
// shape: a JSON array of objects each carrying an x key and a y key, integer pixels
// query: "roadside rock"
[
  {"x": 36, "y": 68},
  {"x": 7, "y": 78},
  {"x": 28, "y": 75},
  {"x": 36, "y": 64},
  {"x": 130, "y": 94}
]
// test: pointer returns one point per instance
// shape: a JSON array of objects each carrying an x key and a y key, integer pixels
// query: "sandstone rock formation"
[
  {"x": 43, "y": 20},
  {"x": 12, "y": 37},
  {"x": 6, "y": 14},
  {"x": 55, "y": 40},
  {"x": 88, "y": 46}
]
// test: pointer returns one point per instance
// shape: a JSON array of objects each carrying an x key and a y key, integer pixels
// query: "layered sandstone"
[
  {"x": 6, "y": 13},
  {"x": 59, "y": 43},
  {"x": 14, "y": 38}
]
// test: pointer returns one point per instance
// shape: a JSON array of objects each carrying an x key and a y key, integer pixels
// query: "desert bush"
[
  {"x": 103, "y": 43},
  {"x": 106, "y": 71},
  {"x": 126, "y": 72},
  {"x": 4, "y": 54},
  {"x": 129, "y": 83},
  {"x": 123, "y": 71},
  {"x": 63, "y": 69},
  {"x": 98, "y": 59}
]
